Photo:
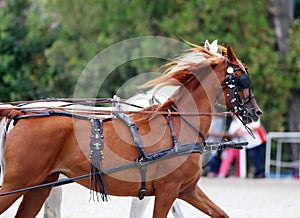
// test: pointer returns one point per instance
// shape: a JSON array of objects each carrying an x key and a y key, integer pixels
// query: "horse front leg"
[
  {"x": 7, "y": 200},
  {"x": 162, "y": 204},
  {"x": 34, "y": 199},
  {"x": 197, "y": 198},
  {"x": 166, "y": 193}
]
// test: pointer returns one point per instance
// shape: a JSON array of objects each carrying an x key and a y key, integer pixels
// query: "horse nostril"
[{"x": 259, "y": 112}]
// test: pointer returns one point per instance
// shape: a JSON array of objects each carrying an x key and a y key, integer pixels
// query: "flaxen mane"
[
  {"x": 181, "y": 76},
  {"x": 186, "y": 75},
  {"x": 9, "y": 114}
]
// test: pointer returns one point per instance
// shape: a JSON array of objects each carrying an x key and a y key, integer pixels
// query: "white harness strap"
[{"x": 4, "y": 129}]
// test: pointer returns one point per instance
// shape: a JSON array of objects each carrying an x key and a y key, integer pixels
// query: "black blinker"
[{"x": 243, "y": 81}]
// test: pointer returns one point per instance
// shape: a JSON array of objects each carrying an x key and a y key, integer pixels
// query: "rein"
[
  {"x": 70, "y": 101},
  {"x": 144, "y": 159},
  {"x": 185, "y": 149},
  {"x": 110, "y": 112}
]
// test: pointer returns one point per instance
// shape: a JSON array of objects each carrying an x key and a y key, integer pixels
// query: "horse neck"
[{"x": 200, "y": 96}]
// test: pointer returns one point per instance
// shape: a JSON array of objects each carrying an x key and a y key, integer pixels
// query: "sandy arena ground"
[{"x": 240, "y": 198}]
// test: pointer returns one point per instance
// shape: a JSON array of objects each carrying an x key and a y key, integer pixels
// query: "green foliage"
[
  {"x": 245, "y": 26},
  {"x": 23, "y": 64},
  {"x": 293, "y": 60},
  {"x": 44, "y": 47}
]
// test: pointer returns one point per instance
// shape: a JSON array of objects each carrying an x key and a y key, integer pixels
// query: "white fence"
[{"x": 282, "y": 138}]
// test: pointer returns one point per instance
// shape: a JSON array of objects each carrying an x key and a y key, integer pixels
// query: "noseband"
[{"x": 234, "y": 85}]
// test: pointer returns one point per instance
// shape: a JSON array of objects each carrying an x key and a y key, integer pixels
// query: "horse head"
[
  {"x": 233, "y": 78},
  {"x": 237, "y": 90}
]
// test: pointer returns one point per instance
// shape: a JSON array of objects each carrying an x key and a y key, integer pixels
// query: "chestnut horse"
[
  {"x": 53, "y": 202},
  {"x": 38, "y": 148}
]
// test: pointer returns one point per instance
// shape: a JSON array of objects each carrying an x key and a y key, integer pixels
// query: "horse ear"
[
  {"x": 230, "y": 54},
  {"x": 214, "y": 47},
  {"x": 207, "y": 45}
]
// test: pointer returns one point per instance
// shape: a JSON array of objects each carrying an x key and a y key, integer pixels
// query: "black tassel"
[
  {"x": 96, "y": 155},
  {"x": 97, "y": 184}
]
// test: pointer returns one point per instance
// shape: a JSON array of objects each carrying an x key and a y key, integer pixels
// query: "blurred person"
[
  {"x": 231, "y": 155},
  {"x": 255, "y": 147},
  {"x": 214, "y": 164},
  {"x": 215, "y": 135}
]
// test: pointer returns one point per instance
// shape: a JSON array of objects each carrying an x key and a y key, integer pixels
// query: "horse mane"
[
  {"x": 174, "y": 77},
  {"x": 9, "y": 114},
  {"x": 184, "y": 75}
]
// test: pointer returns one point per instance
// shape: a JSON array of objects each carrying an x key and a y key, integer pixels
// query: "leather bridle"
[{"x": 234, "y": 84}]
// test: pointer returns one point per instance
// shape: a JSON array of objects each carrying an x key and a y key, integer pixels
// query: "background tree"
[
  {"x": 293, "y": 70},
  {"x": 23, "y": 68}
]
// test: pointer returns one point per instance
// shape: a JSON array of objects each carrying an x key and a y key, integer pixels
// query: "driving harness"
[
  {"x": 234, "y": 84},
  {"x": 143, "y": 160}
]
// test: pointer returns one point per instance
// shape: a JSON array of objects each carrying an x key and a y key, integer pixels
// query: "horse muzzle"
[{"x": 251, "y": 115}]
